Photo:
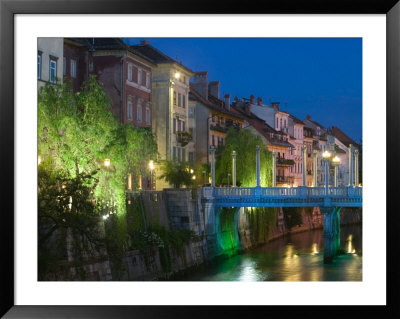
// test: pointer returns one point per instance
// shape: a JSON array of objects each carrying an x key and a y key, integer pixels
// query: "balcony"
[
  {"x": 285, "y": 179},
  {"x": 284, "y": 161},
  {"x": 183, "y": 137},
  {"x": 224, "y": 128}
]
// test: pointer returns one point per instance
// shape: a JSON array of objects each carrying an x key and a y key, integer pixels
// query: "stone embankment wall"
[{"x": 182, "y": 209}]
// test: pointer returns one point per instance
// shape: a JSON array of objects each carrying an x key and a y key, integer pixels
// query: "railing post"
[
  {"x": 315, "y": 169},
  {"x": 326, "y": 177},
  {"x": 350, "y": 165},
  {"x": 336, "y": 175},
  {"x": 356, "y": 179},
  {"x": 233, "y": 169},
  {"x": 212, "y": 148},
  {"x": 258, "y": 164},
  {"x": 304, "y": 163}
]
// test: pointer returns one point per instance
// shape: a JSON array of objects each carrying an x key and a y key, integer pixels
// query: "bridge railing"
[{"x": 235, "y": 192}]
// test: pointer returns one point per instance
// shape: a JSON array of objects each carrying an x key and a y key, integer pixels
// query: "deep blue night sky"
[{"x": 317, "y": 76}]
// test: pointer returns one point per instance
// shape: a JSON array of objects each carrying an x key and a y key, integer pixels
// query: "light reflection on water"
[{"x": 296, "y": 257}]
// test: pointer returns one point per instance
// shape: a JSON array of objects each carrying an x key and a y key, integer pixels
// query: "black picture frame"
[{"x": 8, "y": 10}]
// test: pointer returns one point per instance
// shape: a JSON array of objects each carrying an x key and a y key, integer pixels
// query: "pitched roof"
[
  {"x": 342, "y": 137},
  {"x": 295, "y": 119},
  {"x": 213, "y": 103},
  {"x": 155, "y": 55},
  {"x": 94, "y": 44},
  {"x": 265, "y": 130}
]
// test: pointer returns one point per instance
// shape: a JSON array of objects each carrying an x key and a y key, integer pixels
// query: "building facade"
[
  {"x": 50, "y": 58},
  {"x": 170, "y": 90}
]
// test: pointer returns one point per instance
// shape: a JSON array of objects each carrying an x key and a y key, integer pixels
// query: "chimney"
[
  {"x": 227, "y": 101},
  {"x": 252, "y": 99},
  {"x": 247, "y": 108},
  {"x": 200, "y": 83},
  {"x": 214, "y": 88},
  {"x": 259, "y": 101},
  {"x": 275, "y": 105},
  {"x": 308, "y": 117},
  {"x": 144, "y": 42}
]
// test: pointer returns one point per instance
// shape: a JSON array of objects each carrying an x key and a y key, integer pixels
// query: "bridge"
[
  {"x": 330, "y": 200},
  {"x": 284, "y": 196}
]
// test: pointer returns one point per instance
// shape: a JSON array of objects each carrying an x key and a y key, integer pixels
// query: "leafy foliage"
[
  {"x": 244, "y": 143},
  {"x": 177, "y": 173},
  {"x": 79, "y": 132},
  {"x": 76, "y": 133},
  {"x": 261, "y": 221},
  {"x": 66, "y": 209}
]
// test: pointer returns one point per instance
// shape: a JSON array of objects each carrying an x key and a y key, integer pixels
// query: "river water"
[{"x": 295, "y": 257}]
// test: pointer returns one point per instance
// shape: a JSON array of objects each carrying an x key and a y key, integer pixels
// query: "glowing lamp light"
[
  {"x": 177, "y": 75},
  {"x": 336, "y": 160},
  {"x": 107, "y": 162},
  {"x": 105, "y": 217},
  {"x": 38, "y": 160},
  {"x": 326, "y": 154},
  {"x": 151, "y": 165},
  {"x": 194, "y": 177},
  {"x": 191, "y": 171}
]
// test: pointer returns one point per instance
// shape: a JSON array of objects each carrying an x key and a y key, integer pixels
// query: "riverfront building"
[
  {"x": 170, "y": 90},
  {"x": 49, "y": 61},
  {"x": 213, "y": 116}
]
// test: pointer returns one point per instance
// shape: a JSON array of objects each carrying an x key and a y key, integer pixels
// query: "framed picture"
[{"x": 23, "y": 23}]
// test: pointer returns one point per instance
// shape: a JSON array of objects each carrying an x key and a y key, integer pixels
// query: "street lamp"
[
  {"x": 336, "y": 163},
  {"x": 107, "y": 162},
  {"x": 326, "y": 156},
  {"x": 151, "y": 166}
]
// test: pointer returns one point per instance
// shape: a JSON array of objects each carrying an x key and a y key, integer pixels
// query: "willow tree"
[
  {"x": 78, "y": 132},
  {"x": 244, "y": 143}
]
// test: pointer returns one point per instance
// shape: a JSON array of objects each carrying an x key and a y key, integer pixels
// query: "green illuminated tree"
[
  {"x": 77, "y": 132},
  {"x": 177, "y": 173},
  {"x": 244, "y": 143}
]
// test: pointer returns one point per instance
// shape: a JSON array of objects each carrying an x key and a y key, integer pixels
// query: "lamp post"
[
  {"x": 151, "y": 166},
  {"x": 336, "y": 163},
  {"x": 212, "y": 149},
  {"x": 208, "y": 135},
  {"x": 315, "y": 168},
  {"x": 273, "y": 169},
  {"x": 356, "y": 170},
  {"x": 229, "y": 175},
  {"x": 258, "y": 165},
  {"x": 234, "y": 169},
  {"x": 326, "y": 156},
  {"x": 304, "y": 158}
]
